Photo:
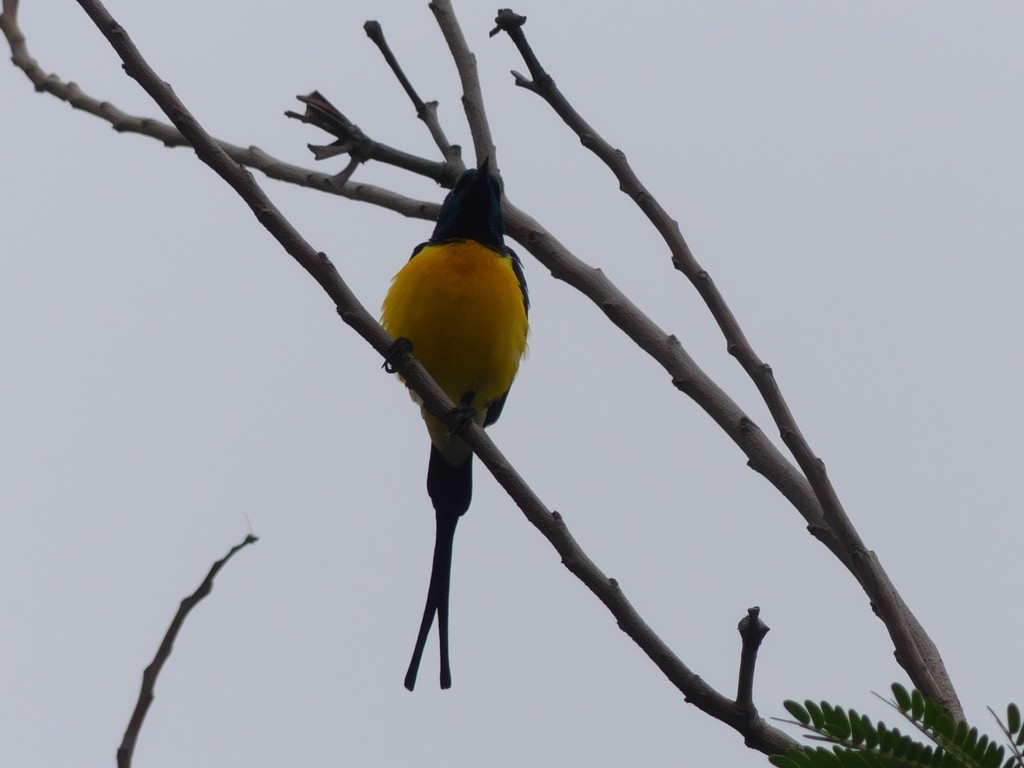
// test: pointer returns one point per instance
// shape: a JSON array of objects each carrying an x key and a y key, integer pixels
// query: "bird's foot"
[
  {"x": 400, "y": 347},
  {"x": 458, "y": 417}
]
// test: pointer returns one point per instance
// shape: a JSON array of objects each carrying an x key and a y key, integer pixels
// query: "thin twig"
[
  {"x": 914, "y": 649},
  {"x": 152, "y": 672},
  {"x": 375, "y": 32},
  {"x": 425, "y": 111},
  {"x": 757, "y": 733},
  {"x": 361, "y": 148},
  {"x": 1011, "y": 739},
  {"x": 252, "y": 157},
  {"x": 472, "y": 95}
]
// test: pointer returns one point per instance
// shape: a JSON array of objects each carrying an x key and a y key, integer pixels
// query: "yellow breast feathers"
[{"x": 461, "y": 305}]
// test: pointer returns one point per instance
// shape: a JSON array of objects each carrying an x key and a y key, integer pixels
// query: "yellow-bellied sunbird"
[{"x": 461, "y": 302}]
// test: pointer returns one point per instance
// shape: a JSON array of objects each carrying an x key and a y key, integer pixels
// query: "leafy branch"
[{"x": 857, "y": 741}]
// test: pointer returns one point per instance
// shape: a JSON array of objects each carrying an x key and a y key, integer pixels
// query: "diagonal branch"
[
  {"x": 252, "y": 157},
  {"x": 425, "y": 110},
  {"x": 763, "y": 456},
  {"x": 914, "y": 649},
  {"x": 756, "y": 731},
  {"x": 131, "y": 735},
  {"x": 683, "y": 259}
]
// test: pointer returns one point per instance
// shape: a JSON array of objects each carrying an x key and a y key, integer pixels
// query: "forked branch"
[
  {"x": 251, "y": 156},
  {"x": 914, "y": 650},
  {"x": 763, "y": 456},
  {"x": 757, "y": 732}
]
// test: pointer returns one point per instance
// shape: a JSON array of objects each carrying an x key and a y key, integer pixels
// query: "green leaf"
[
  {"x": 916, "y": 705},
  {"x": 887, "y": 739},
  {"x": 816, "y": 716},
  {"x": 901, "y": 696},
  {"x": 797, "y": 711},
  {"x": 806, "y": 758},
  {"x": 901, "y": 746},
  {"x": 837, "y": 724},
  {"x": 858, "y": 742},
  {"x": 857, "y": 736},
  {"x": 784, "y": 761},
  {"x": 850, "y": 758},
  {"x": 993, "y": 756},
  {"x": 1012, "y": 719},
  {"x": 944, "y": 726},
  {"x": 870, "y": 732},
  {"x": 971, "y": 741},
  {"x": 960, "y": 734}
]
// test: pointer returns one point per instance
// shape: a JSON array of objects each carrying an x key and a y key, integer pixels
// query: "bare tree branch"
[
  {"x": 425, "y": 111},
  {"x": 757, "y": 732},
  {"x": 472, "y": 95},
  {"x": 131, "y": 735},
  {"x": 253, "y": 157},
  {"x": 914, "y": 650},
  {"x": 361, "y": 148},
  {"x": 752, "y": 631},
  {"x": 686, "y": 375},
  {"x": 762, "y": 454}
]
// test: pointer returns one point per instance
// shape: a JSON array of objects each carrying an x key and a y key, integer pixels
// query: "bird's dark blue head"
[{"x": 472, "y": 210}]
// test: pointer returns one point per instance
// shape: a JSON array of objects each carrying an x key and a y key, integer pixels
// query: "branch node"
[
  {"x": 524, "y": 82},
  {"x": 350, "y": 139},
  {"x": 507, "y": 21},
  {"x": 341, "y": 179},
  {"x": 684, "y": 385}
]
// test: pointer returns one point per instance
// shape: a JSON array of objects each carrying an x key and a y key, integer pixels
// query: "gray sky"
[{"x": 852, "y": 175}]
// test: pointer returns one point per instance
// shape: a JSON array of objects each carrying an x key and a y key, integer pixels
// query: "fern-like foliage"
[{"x": 857, "y": 742}]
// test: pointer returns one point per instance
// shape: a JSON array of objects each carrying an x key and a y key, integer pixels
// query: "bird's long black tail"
[{"x": 450, "y": 489}]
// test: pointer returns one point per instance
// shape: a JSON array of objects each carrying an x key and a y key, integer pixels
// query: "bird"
[{"x": 460, "y": 305}]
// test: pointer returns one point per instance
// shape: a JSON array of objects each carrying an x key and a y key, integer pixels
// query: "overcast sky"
[{"x": 852, "y": 176}]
